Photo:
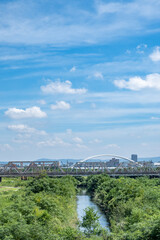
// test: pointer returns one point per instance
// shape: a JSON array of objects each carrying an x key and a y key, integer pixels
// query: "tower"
[{"x": 134, "y": 157}]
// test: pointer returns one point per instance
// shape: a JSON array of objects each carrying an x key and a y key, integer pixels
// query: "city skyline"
[{"x": 79, "y": 78}]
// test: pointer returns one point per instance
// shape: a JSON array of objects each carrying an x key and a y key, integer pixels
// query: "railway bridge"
[{"x": 26, "y": 169}]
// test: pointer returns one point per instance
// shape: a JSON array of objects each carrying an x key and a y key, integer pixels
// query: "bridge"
[{"x": 26, "y": 169}]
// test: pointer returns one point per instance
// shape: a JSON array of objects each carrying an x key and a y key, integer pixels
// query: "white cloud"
[
  {"x": 73, "y": 69},
  {"x": 53, "y": 142},
  {"x": 96, "y": 141},
  {"x": 81, "y": 146},
  {"x": 155, "y": 56},
  {"x": 74, "y": 24},
  {"x": 137, "y": 83},
  {"x": 15, "y": 57},
  {"x": 21, "y": 128},
  {"x": 98, "y": 75},
  {"x": 141, "y": 46},
  {"x": 112, "y": 146},
  {"x": 60, "y": 105},
  {"x": 77, "y": 140},
  {"x": 33, "y": 112},
  {"x": 62, "y": 87}
]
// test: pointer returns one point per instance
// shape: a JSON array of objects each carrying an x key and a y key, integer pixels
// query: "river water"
[{"x": 84, "y": 201}]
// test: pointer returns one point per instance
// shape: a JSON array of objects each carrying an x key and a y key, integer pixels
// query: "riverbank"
[{"x": 133, "y": 205}]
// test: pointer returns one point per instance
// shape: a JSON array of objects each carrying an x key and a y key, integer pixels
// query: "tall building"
[{"x": 134, "y": 157}]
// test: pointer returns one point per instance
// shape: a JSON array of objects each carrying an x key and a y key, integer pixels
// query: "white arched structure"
[{"x": 109, "y": 155}]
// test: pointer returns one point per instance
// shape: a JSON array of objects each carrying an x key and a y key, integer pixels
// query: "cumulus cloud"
[
  {"x": 155, "y": 56},
  {"x": 21, "y": 128},
  {"x": 62, "y": 87},
  {"x": 73, "y": 69},
  {"x": 137, "y": 83},
  {"x": 60, "y": 105},
  {"x": 33, "y": 112}
]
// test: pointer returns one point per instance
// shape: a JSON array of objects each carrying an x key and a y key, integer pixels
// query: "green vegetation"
[
  {"x": 45, "y": 208},
  {"x": 40, "y": 209},
  {"x": 132, "y": 206},
  {"x": 90, "y": 222}
]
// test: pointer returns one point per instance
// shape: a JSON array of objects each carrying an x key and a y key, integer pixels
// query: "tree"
[{"x": 90, "y": 222}]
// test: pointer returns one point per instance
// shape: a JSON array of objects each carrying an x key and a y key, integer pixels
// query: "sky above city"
[{"x": 79, "y": 78}]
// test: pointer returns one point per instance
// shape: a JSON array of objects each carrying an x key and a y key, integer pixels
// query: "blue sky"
[{"x": 79, "y": 78}]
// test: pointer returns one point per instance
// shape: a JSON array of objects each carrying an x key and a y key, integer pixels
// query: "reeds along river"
[{"x": 84, "y": 201}]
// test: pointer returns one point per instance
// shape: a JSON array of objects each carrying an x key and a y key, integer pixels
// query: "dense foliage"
[
  {"x": 90, "y": 222},
  {"x": 44, "y": 209},
  {"x": 132, "y": 205}
]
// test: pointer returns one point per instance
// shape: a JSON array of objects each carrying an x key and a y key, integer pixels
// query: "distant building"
[
  {"x": 134, "y": 157},
  {"x": 90, "y": 164},
  {"x": 114, "y": 162},
  {"x": 147, "y": 163},
  {"x": 111, "y": 163}
]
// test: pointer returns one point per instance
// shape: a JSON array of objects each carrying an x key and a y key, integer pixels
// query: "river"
[{"x": 84, "y": 201}]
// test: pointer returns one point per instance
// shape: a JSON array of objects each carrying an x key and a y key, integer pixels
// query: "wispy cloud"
[
  {"x": 5, "y": 147},
  {"x": 15, "y": 57},
  {"x": 74, "y": 24},
  {"x": 53, "y": 142},
  {"x": 98, "y": 75},
  {"x": 21, "y": 128},
  {"x": 77, "y": 140},
  {"x": 155, "y": 118},
  {"x": 112, "y": 146},
  {"x": 42, "y": 102}
]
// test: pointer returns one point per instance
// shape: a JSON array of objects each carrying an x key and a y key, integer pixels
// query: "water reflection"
[{"x": 84, "y": 201}]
